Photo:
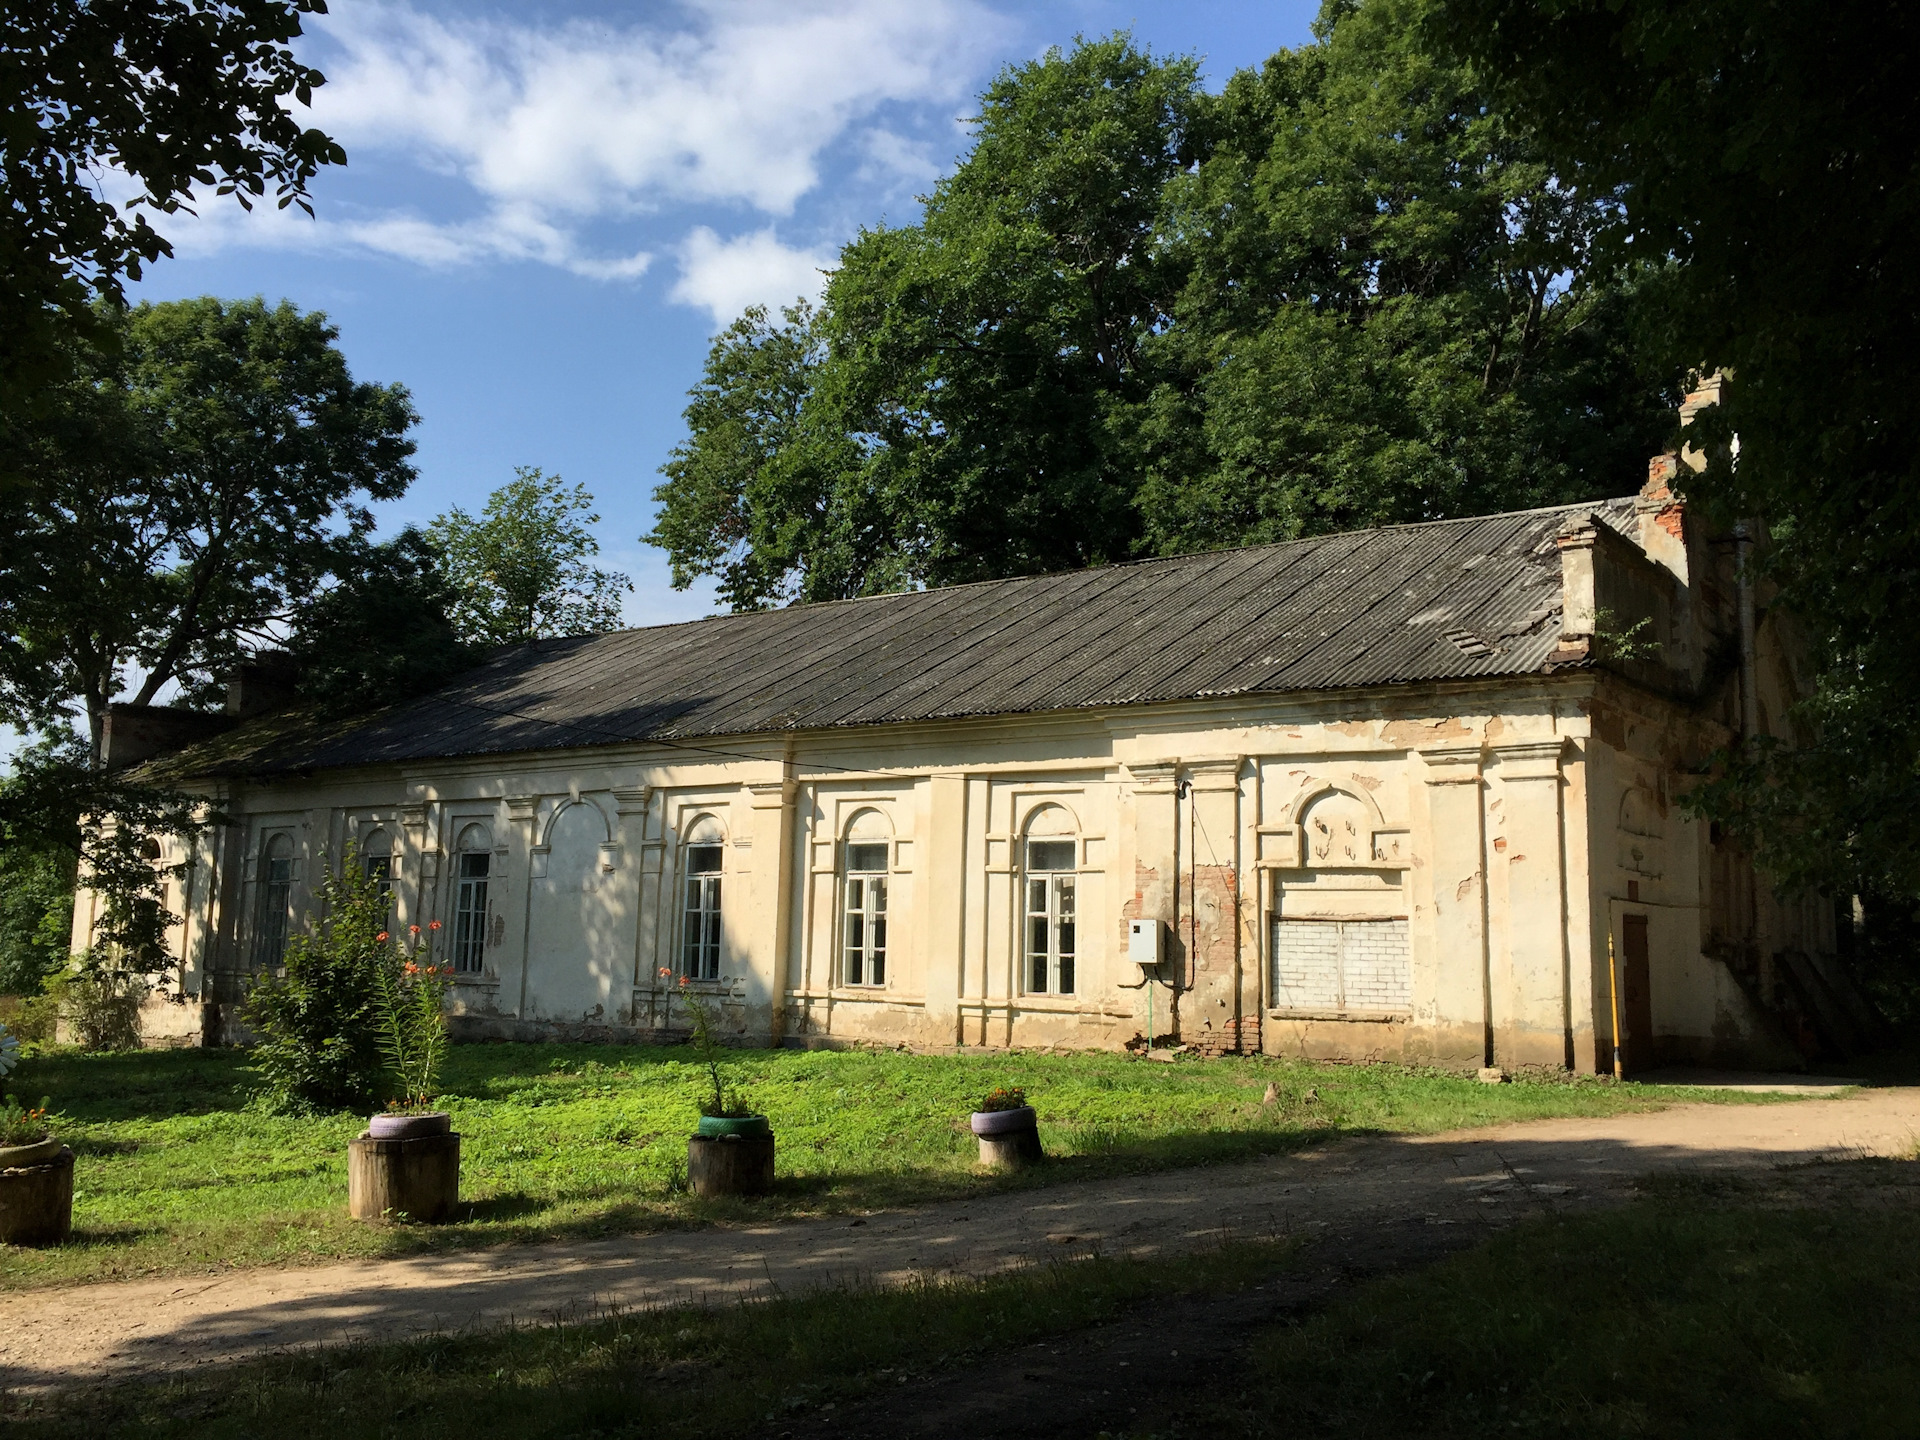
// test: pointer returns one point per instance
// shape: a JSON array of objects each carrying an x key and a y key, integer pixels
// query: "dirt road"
[{"x": 52, "y": 1338}]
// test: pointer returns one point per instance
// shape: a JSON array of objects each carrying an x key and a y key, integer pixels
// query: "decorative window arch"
[
  {"x": 473, "y": 860},
  {"x": 276, "y": 900},
  {"x": 1049, "y": 862},
  {"x": 703, "y": 863},
  {"x": 864, "y": 885}
]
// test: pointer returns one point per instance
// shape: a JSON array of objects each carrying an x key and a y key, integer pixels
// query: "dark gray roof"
[{"x": 1447, "y": 600}]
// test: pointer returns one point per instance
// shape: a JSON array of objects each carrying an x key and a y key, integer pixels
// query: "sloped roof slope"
[{"x": 1446, "y": 600}]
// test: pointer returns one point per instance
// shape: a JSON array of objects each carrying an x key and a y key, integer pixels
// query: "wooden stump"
[
  {"x": 730, "y": 1165},
  {"x": 415, "y": 1179},
  {"x": 1012, "y": 1149},
  {"x": 36, "y": 1202}
]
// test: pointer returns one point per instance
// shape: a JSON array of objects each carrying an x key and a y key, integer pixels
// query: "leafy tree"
[
  {"x": 381, "y": 631},
  {"x": 520, "y": 571},
  {"x": 1141, "y": 318},
  {"x": 1765, "y": 163},
  {"x": 36, "y": 914},
  {"x": 179, "y": 95},
  {"x": 193, "y": 490}
]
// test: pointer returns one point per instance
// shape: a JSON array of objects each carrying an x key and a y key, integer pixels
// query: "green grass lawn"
[
  {"x": 1704, "y": 1312},
  {"x": 178, "y": 1172}
]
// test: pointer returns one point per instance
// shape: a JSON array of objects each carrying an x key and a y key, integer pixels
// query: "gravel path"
[{"x": 53, "y": 1338}]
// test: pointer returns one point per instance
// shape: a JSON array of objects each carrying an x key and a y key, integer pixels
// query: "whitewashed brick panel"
[{"x": 1341, "y": 965}]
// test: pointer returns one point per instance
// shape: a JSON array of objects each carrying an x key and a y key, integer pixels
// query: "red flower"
[
  {"x": 381, "y": 938},
  {"x": 434, "y": 926},
  {"x": 413, "y": 929}
]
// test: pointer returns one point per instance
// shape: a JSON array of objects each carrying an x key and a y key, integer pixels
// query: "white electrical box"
[{"x": 1143, "y": 942}]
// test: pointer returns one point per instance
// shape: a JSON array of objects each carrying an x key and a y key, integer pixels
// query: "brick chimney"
[
  {"x": 1661, "y": 507},
  {"x": 264, "y": 682}
]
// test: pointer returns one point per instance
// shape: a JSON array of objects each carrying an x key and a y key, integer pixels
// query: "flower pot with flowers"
[
  {"x": 1008, "y": 1129},
  {"x": 407, "y": 1164},
  {"x": 731, "y": 1149},
  {"x": 36, "y": 1178}
]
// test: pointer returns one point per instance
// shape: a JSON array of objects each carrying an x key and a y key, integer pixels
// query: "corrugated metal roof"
[{"x": 1448, "y": 600}]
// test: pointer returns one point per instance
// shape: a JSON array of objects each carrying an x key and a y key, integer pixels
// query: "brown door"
[{"x": 1636, "y": 995}]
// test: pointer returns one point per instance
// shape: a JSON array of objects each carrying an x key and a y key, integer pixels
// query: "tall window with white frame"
[
  {"x": 276, "y": 902},
  {"x": 700, "y": 925},
  {"x": 376, "y": 859},
  {"x": 475, "y": 865},
  {"x": 1050, "y": 917},
  {"x": 866, "y": 917}
]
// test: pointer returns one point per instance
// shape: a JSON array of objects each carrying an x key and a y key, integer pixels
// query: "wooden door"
[{"x": 1636, "y": 995}]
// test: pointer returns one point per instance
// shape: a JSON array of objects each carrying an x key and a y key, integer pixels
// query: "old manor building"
[{"x": 1393, "y": 793}]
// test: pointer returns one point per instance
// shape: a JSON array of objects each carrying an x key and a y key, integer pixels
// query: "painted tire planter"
[
  {"x": 730, "y": 1155},
  {"x": 36, "y": 1198},
  {"x": 409, "y": 1172},
  {"x": 715, "y": 1127},
  {"x": 391, "y": 1126},
  {"x": 1009, "y": 1139}
]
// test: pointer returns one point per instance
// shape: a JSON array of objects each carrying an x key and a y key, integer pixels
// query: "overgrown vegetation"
[{"x": 183, "y": 1172}]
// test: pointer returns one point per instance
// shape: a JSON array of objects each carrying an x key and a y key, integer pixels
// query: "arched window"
[
  {"x": 276, "y": 901},
  {"x": 376, "y": 859},
  {"x": 474, "y": 861},
  {"x": 1049, "y": 863},
  {"x": 703, "y": 859},
  {"x": 864, "y": 937}
]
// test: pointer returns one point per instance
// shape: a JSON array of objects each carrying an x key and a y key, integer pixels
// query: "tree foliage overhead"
[
  {"x": 178, "y": 97},
  {"x": 521, "y": 570},
  {"x": 192, "y": 489},
  {"x": 1765, "y": 162},
  {"x": 1139, "y": 318}
]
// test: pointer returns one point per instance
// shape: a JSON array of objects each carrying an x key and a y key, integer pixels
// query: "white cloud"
[
  {"x": 548, "y": 131},
  {"x": 726, "y": 276}
]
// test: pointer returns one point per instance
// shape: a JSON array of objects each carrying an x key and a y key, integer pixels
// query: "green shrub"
[
  {"x": 101, "y": 1005},
  {"x": 319, "y": 1040},
  {"x": 31, "y": 1018}
]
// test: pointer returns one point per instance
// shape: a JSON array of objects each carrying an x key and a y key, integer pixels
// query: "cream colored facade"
[{"x": 1466, "y": 873}]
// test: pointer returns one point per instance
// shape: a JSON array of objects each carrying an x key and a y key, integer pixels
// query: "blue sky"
[{"x": 550, "y": 207}]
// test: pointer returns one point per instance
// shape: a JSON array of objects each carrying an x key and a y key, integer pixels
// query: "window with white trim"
[
  {"x": 865, "y": 942},
  {"x": 376, "y": 860},
  {"x": 473, "y": 873},
  {"x": 1049, "y": 930},
  {"x": 700, "y": 920},
  {"x": 276, "y": 902}
]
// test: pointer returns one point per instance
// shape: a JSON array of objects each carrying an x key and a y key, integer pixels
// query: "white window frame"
[
  {"x": 1049, "y": 920},
  {"x": 472, "y": 901},
  {"x": 702, "y": 928},
  {"x": 863, "y": 917}
]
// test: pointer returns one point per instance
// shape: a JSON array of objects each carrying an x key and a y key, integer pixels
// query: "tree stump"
[
  {"x": 36, "y": 1202},
  {"x": 1012, "y": 1149},
  {"x": 730, "y": 1165},
  {"x": 416, "y": 1179}
]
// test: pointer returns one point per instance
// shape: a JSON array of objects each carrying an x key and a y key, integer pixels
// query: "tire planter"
[
  {"x": 409, "y": 1125},
  {"x": 730, "y": 1156},
  {"x": 1009, "y": 1139},
  {"x": 413, "y": 1175},
  {"x": 36, "y": 1193}
]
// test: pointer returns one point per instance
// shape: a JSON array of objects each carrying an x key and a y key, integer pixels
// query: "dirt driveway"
[{"x": 52, "y": 1338}]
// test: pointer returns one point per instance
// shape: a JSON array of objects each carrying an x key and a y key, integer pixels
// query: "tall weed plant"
[{"x": 318, "y": 1019}]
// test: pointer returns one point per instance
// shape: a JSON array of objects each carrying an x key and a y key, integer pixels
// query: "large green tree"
[
  {"x": 522, "y": 569},
  {"x": 1139, "y": 318},
  {"x": 194, "y": 487},
  {"x": 1764, "y": 162},
  {"x": 182, "y": 98}
]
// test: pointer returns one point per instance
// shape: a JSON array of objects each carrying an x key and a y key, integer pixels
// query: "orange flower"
[
  {"x": 434, "y": 926},
  {"x": 664, "y": 972},
  {"x": 413, "y": 929},
  {"x": 381, "y": 938},
  {"x": 684, "y": 979},
  {"x": 412, "y": 969}
]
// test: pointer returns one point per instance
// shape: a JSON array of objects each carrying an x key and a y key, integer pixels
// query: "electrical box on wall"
[{"x": 1143, "y": 942}]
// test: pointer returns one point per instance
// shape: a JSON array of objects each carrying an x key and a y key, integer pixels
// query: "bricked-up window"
[
  {"x": 700, "y": 926},
  {"x": 866, "y": 919},
  {"x": 1050, "y": 938},
  {"x": 276, "y": 902},
  {"x": 1359, "y": 967}
]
